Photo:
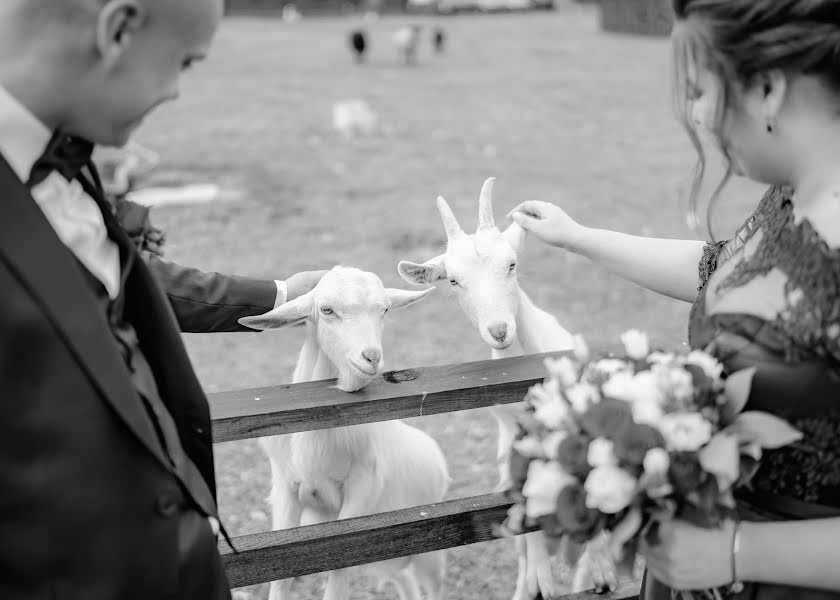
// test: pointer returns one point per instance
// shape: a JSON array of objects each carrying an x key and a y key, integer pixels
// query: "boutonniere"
[{"x": 134, "y": 219}]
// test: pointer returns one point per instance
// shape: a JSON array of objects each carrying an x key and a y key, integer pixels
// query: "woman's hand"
[
  {"x": 689, "y": 557},
  {"x": 548, "y": 222}
]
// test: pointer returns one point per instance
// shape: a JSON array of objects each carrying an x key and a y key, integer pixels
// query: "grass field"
[{"x": 545, "y": 102}]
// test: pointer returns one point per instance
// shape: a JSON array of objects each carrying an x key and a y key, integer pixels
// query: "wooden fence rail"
[
  {"x": 402, "y": 394},
  {"x": 272, "y": 555}
]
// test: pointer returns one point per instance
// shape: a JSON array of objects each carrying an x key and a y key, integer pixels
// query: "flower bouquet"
[{"x": 610, "y": 446}]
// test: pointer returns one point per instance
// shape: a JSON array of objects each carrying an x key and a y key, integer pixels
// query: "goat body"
[
  {"x": 357, "y": 470},
  {"x": 481, "y": 268}
]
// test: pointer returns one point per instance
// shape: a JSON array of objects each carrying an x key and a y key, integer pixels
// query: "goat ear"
[
  {"x": 402, "y": 298},
  {"x": 291, "y": 313},
  {"x": 515, "y": 235},
  {"x": 426, "y": 273}
]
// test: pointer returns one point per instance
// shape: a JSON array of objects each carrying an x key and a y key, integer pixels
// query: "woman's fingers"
[{"x": 531, "y": 208}]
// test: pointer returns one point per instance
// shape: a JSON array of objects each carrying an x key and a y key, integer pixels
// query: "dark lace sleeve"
[
  {"x": 708, "y": 263},
  {"x": 716, "y": 253},
  {"x": 831, "y": 320}
]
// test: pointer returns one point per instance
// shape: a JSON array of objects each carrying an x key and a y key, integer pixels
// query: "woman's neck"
[{"x": 817, "y": 186}]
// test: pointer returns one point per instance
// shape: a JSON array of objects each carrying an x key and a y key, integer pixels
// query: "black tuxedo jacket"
[{"x": 90, "y": 509}]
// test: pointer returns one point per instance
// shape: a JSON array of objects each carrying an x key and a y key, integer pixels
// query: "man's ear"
[
  {"x": 288, "y": 314},
  {"x": 117, "y": 23},
  {"x": 420, "y": 274}
]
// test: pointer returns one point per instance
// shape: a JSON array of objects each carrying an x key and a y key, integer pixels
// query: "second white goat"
[{"x": 481, "y": 269}]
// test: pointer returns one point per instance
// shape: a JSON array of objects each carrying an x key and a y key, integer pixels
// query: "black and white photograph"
[{"x": 420, "y": 299}]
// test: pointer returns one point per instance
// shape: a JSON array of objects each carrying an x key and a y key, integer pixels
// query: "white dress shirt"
[{"x": 73, "y": 214}]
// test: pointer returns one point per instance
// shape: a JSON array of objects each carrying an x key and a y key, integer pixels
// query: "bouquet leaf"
[
  {"x": 720, "y": 458},
  {"x": 736, "y": 390},
  {"x": 767, "y": 430}
]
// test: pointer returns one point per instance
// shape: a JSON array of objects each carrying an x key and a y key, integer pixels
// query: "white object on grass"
[{"x": 198, "y": 193}]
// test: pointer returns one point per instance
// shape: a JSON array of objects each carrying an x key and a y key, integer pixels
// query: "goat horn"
[
  {"x": 485, "y": 206},
  {"x": 450, "y": 223}
]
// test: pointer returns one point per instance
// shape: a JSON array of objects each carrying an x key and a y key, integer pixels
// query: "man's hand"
[{"x": 301, "y": 283}]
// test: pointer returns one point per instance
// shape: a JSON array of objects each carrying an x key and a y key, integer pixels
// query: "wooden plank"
[
  {"x": 627, "y": 590},
  {"x": 394, "y": 395},
  {"x": 302, "y": 551}
]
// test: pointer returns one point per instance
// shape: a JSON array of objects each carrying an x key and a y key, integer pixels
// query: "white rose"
[
  {"x": 618, "y": 386},
  {"x": 710, "y": 366},
  {"x": 656, "y": 461},
  {"x": 685, "y": 431},
  {"x": 609, "y": 489},
  {"x": 581, "y": 396},
  {"x": 562, "y": 369},
  {"x": 553, "y": 414},
  {"x": 529, "y": 446},
  {"x": 608, "y": 366},
  {"x": 635, "y": 344},
  {"x": 647, "y": 411},
  {"x": 601, "y": 453},
  {"x": 642, "y": 386},
  {"x": 682, "y": 385},
  {"x": 551, "y": 443},
  {"x": 580, "y": 349},
  {"x": 660, "y": 358},
  {"x": 542, "y": 393},
  {"x": 542, "y": 486}
]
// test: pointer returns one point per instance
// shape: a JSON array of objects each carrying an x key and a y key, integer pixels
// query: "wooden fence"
[{"x": 252, "y": 413}]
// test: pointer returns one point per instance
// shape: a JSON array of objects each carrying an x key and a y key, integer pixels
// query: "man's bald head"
[{"x": 96, "y": 67}]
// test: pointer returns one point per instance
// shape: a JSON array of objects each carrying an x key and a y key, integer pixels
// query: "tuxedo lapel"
[
  {"x": 46, "y": 267},
  {"x": 148, "y": 310}
]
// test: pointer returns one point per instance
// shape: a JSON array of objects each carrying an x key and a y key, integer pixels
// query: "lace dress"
[{"x": 770, "y": 298}]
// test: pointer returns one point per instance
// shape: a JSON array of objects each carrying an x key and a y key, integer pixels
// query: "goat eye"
[
  {"x": 512, "y": 268},
  {"x": 453, "y": 282},
  {"x": 327, "y": 310}
]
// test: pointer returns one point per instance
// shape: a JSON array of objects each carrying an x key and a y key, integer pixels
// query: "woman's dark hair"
[{"x": 739, "y": 39}]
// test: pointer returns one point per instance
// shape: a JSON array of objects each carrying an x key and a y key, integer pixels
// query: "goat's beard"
[{"x": 351, "y": 380}]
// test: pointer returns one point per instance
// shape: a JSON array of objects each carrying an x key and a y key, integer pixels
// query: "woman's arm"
[
  {"x": 798, "y": 553},
  {"x": 666, "y": 266}
]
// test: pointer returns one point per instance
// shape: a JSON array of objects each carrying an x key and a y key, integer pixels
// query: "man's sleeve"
[{"x": 206, "y": 302}]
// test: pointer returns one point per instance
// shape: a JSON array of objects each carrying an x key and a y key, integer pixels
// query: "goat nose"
[
  {"x": 498, "y": 330},
  {"x": 372, "y": 355}
]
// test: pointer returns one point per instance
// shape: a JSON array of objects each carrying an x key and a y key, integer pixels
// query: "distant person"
[
  {"x": 407, "y": 41},
  {"x": 358, "y": 44},
  {"x": 439, "y": 40}
]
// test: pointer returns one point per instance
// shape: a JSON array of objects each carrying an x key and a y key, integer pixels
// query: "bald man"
[{"x": 107, "y": 487}]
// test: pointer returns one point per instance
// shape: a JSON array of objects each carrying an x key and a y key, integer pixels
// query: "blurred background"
[{"x": 325, "y": 131}]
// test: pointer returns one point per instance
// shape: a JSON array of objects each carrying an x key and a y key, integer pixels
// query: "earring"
[{"x": 771, "y": 125}]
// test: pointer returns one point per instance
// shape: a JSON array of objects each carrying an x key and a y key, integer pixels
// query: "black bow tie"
[{"x": 65, "y": 154}]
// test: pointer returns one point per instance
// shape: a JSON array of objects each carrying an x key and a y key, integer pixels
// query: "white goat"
[
  {"x": 481, "y": 269},
  {"x": 358, "y": 470},
  {"x": 354, "y": 118}
]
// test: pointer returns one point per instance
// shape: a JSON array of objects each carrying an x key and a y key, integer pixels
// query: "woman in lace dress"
[{"x": 761, "y": 78}]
